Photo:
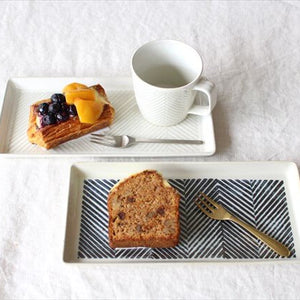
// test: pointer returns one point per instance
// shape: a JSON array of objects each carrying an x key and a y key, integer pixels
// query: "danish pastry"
[{"x": 78, "y": 111}]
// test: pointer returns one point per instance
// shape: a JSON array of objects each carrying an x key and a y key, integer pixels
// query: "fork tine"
[
  {"x": 206, "y": 209},
  {"x": 205, "y": 203},
  {"x": 102, "y": 142},
  {"x": 102, "y": 136},
  {"x": 104, "y": 139},
  {"x": 99, "y": 134},
  {"x": 209, "y": 200}
]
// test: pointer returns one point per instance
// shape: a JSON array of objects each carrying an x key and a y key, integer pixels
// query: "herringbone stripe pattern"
[{"x": 261, "y": 203}]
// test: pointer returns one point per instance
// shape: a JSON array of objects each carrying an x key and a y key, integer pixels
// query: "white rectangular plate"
[
  {"x": 22, "y": 92},
  {"x": 265, "y": 194}
]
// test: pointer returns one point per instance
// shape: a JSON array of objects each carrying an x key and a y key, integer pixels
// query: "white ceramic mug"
[{"x": 166, "y": 77}]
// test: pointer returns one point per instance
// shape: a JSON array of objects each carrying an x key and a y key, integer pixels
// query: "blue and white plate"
[{"x": 263, "y": 194}]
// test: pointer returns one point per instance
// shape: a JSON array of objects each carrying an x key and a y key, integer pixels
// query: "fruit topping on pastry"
[
  {"x": 62, "y": 116},
  {"x": 48, "y": 119},
  {"x": 52, "y": 112},
  {"x": 72, "y": 110},
  {"x": 88, "y": 111},
  {"x": 84, "y": 94},
  {"x": 43, "y": 108},
  {"x": 78, "y": 100},
  {"x": 58, "y": 98},
  {"x": 77, "y": 111},
  {"x": 88, "y": 103},
  {"x": 74, "y": 86},
  {"x": 54, "y": 108}
]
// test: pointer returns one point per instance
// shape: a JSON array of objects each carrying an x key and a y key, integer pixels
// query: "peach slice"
[
  {"x": 74, "y": 86},
  {"x": 84, "y": 94},
  {"x": 88, "y": 111}
]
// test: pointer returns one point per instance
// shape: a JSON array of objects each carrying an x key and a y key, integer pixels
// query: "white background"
[{"x": 251, "y": 50}]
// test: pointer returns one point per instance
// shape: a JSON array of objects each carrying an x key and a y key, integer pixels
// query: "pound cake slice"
[
  {"x": 55, "y": 121},
  {"x": 143, "y": 212}
]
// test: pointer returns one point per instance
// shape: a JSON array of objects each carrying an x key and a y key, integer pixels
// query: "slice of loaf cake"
[{"x": 143, "y": 212}]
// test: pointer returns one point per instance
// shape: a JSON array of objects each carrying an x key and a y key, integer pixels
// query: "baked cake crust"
[
  {"x": 52, "y": 135},
  {"x": 143, "y": 212}
]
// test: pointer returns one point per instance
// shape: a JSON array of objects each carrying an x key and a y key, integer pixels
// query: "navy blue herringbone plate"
[{"x": 261, "y": 203}]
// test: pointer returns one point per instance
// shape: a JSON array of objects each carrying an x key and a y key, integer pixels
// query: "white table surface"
[{"x": 250, "y": 50}]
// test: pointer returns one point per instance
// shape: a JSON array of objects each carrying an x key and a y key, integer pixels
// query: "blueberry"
[
  {"x": 43, "y": 108},
  {"x": 58, "y": 98},
  {"x": 54, "y": 108},
  {"x": 72, "y": 110},
  {"x": 62, "y": 116},
  {"x": 64, "y": 108},
  {"x": 48, "y": 119}
]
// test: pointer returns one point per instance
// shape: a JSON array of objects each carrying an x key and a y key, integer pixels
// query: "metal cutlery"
[
  {"x": 124, "y": 141},
  {"x": 216, "y": 211}
]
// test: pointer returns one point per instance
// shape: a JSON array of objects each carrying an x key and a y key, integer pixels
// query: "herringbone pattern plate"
[{"x": 261, "y": 203}]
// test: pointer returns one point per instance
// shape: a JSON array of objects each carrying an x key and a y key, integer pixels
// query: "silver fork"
[
  {"x": 216, "y": 211},
  {"x": 123, "y": 141}
]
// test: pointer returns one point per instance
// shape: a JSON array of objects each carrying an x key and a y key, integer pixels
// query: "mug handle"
[{"x": 208, "y": 88}]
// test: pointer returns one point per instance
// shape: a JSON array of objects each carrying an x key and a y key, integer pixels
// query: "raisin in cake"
[{"x": 143, "y": 212}]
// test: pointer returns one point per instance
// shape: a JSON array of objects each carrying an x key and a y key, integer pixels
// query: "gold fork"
[{"x": 216, "y": 211}]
